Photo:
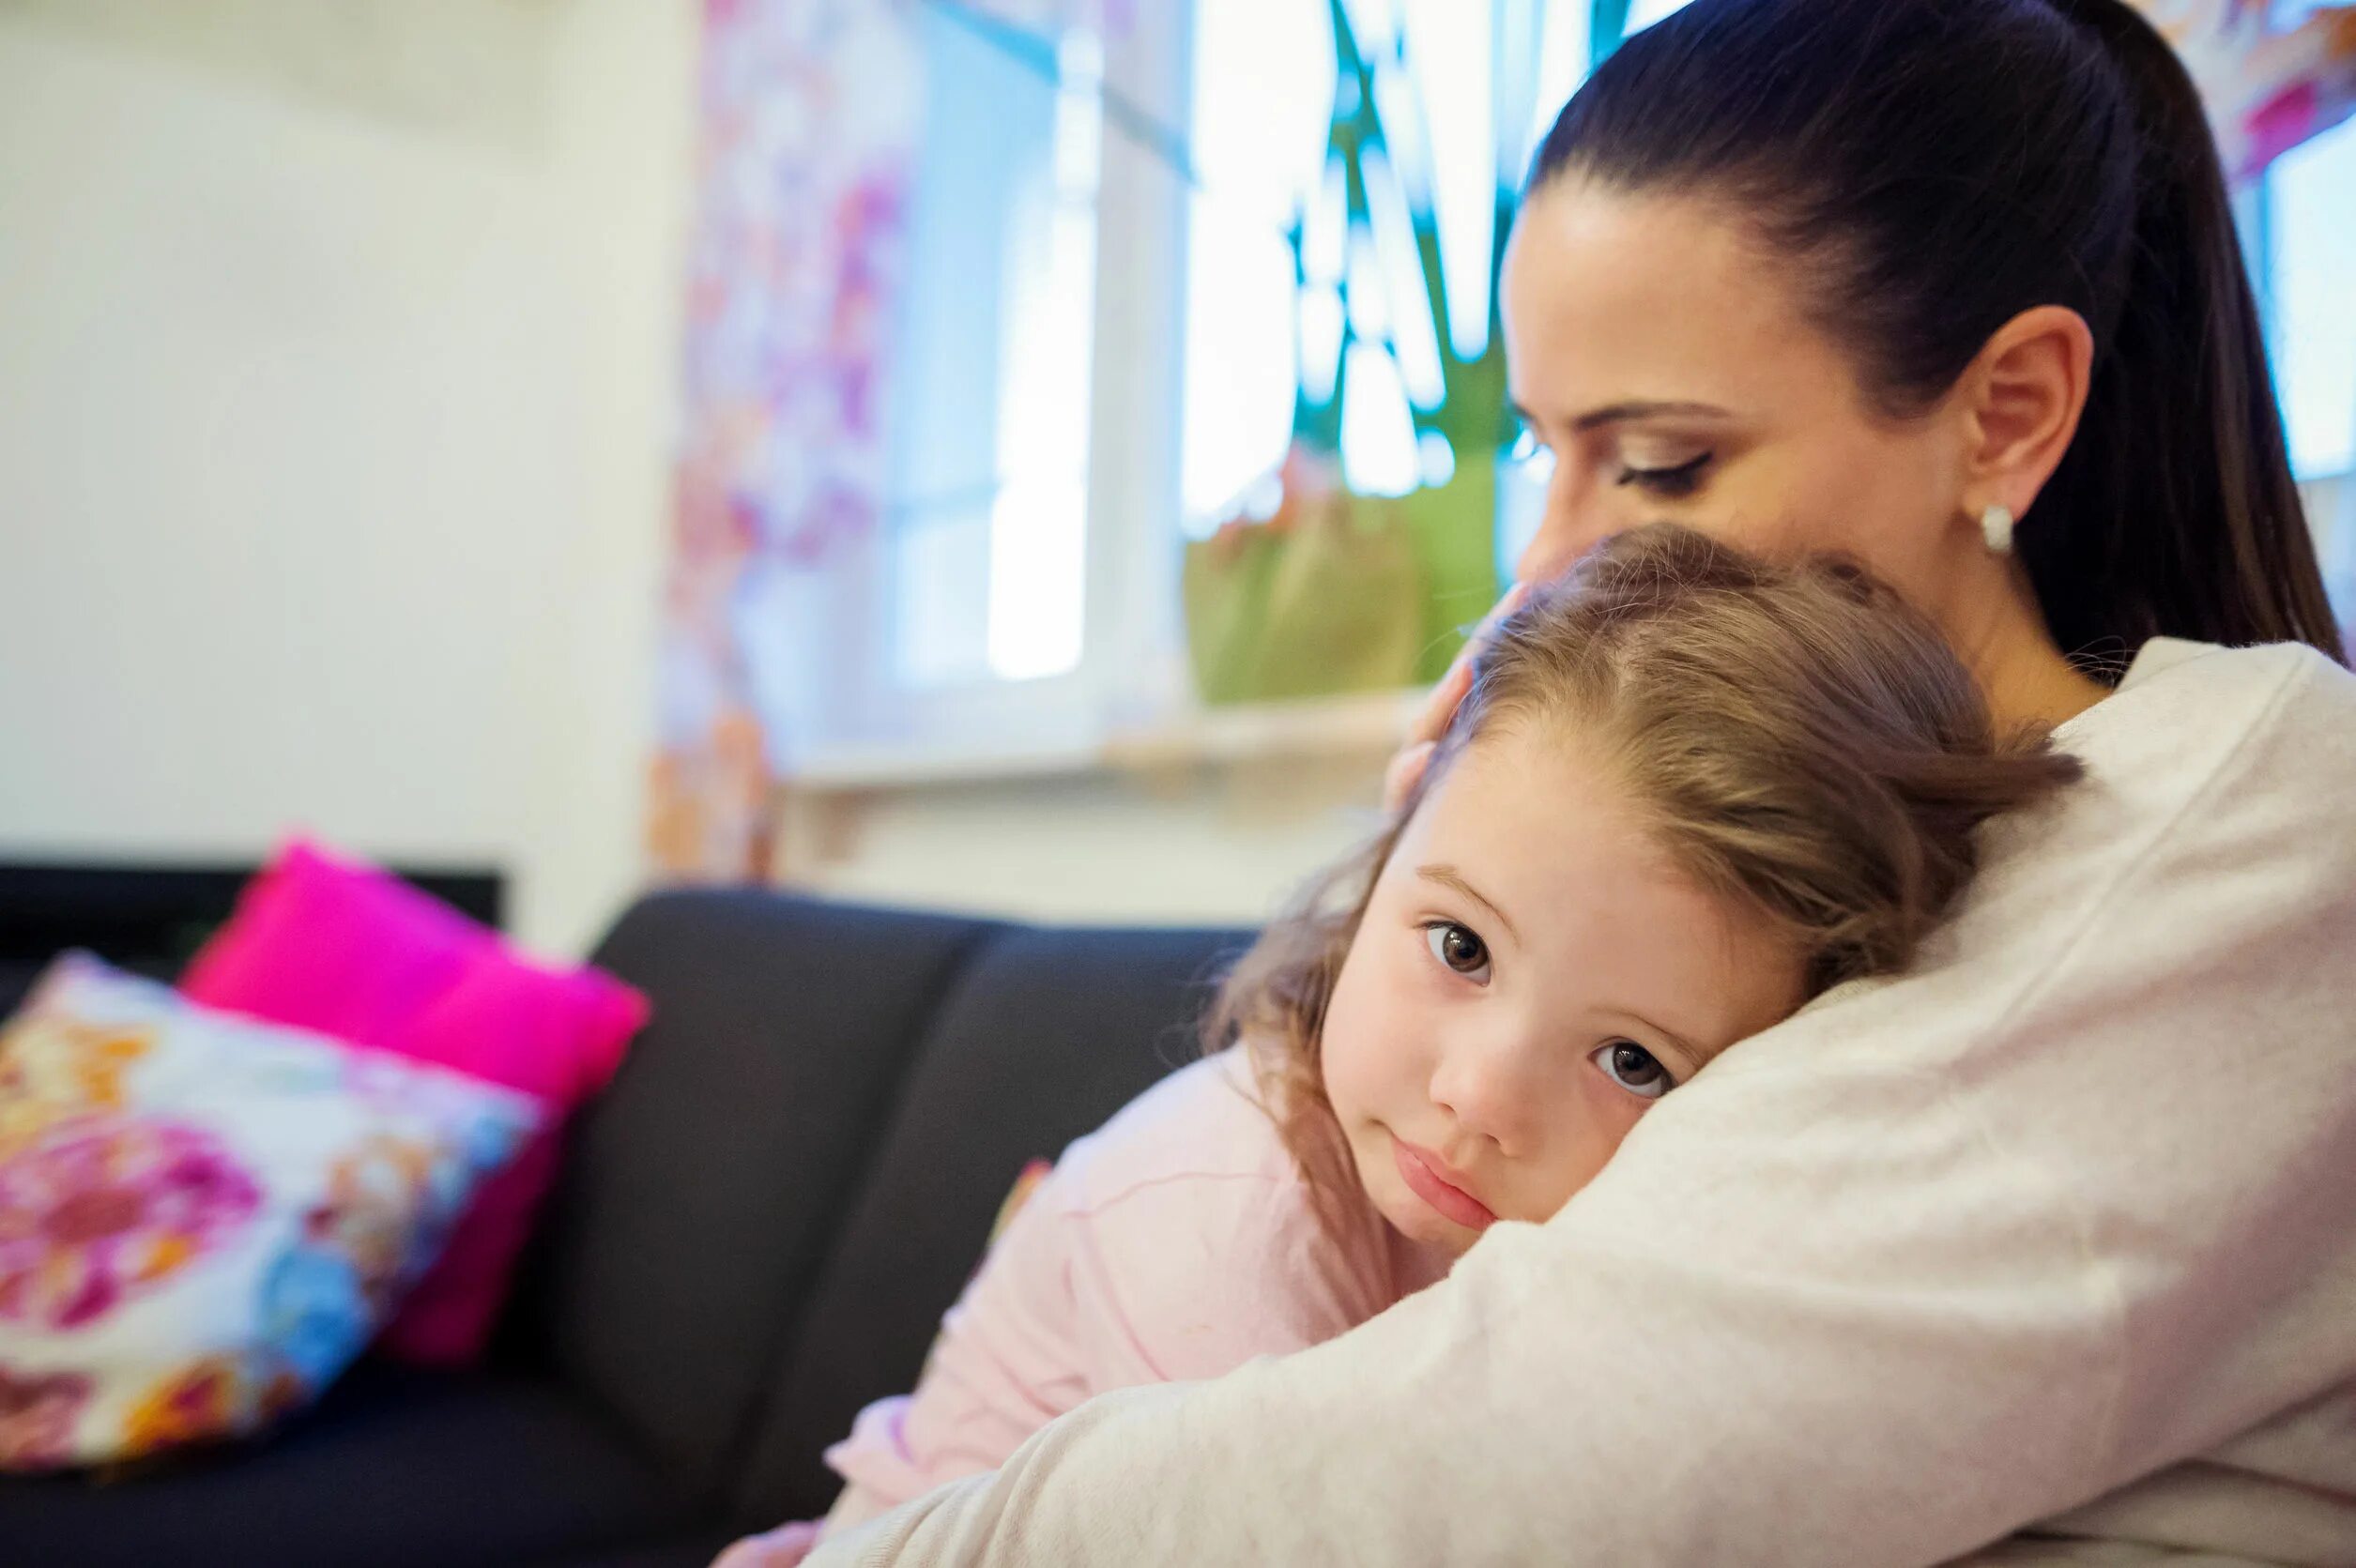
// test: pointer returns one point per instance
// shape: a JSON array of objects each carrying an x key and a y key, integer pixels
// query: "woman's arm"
[
  {"x": 1723, "y": 1391},
  {"x": 1936, "y": 1259}
]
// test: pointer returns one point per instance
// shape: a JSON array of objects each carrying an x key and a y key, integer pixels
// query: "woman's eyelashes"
[
  {"x": 1535, "y": 457},
  {"x": 1670, "y": 483},
  {"x": 1633, "y": 1069},
  {"x": 1459, "y": 949}
]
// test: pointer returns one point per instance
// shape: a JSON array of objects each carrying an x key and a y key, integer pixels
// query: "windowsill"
[{"x": 1370, "y": 724}]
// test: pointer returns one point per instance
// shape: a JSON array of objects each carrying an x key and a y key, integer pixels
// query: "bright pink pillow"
[{"x": 326, "y": 944}]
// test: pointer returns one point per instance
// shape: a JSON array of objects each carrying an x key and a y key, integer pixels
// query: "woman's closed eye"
[
  {"x": 1459, "y": 949},
  {"x": 1633, "y": 1069},
  {"x": 1671, "y": 483}
]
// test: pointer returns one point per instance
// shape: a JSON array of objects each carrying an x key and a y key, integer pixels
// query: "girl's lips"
[{"x": 1420, "y": 1169}]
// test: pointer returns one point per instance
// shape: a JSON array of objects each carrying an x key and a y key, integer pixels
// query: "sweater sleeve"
[{"x": 1936, "y": 1259}]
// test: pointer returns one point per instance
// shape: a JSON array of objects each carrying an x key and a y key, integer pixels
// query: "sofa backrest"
[
  {"x": 705, "y": 1187},
  {"x": 792, "y": 1176},
  {"x": 1043, "y": 1035}
]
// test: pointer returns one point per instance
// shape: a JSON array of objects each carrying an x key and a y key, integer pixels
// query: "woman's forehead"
[{"x": 1609, "y": 295}]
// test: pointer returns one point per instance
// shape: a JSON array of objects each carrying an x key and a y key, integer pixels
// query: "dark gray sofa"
[{"x": 757, "y": 1229}]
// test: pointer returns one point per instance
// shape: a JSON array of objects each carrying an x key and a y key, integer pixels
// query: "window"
[
  {"x": 986, "y": 617},
  {"x": 1099, "y": 345},
  {"x": 2308, "y": 258},
  {"x": 990, "y": 421},
  {"x": 1463, "y": 93},
  {"x": 1102, "y": 334},
  {"x": 2304, "y": 252}
]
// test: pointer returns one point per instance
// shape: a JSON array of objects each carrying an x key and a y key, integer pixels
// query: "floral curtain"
[
  {"x": 2275, "y": 72},
  {"x": 808, "y": 124}
]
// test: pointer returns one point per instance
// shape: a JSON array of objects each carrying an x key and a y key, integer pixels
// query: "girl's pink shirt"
[{"x": 1175, "y": 1243}]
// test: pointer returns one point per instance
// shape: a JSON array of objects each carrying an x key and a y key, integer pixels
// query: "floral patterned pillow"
[{"x": 203, "y": 1218}]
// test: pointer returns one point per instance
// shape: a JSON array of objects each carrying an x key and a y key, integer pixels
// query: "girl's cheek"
[
  {"x": 1357, "y": 1002},
  {"x": 1372, "y": 1034},
  {"x": 1613, "y": 1111},
  {"x": 1602, "y": 1116}
]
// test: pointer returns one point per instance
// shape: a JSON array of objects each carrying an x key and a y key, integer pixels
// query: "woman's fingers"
[
  {"x": 1432, "y": 721},
  {"x": 1414, "y": 755},
  {"x": 1406, "y": 769},
  {"x": 1438, "y": 709},
  {"x": 1515, "y": 596}
]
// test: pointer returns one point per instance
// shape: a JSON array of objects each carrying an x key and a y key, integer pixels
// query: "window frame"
[{"x": 875, "y": 728}]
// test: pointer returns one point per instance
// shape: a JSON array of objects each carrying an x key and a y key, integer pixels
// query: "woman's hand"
[
  {"x": 781, "y": 1547},
  {"x": 1414, "y": 755}
]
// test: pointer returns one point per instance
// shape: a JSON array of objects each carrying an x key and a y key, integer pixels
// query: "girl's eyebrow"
[{"x": 1447, "y": 877}]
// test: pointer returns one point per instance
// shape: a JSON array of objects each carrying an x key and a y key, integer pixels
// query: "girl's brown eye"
[
  {"x": 1457, "y": 947},
  {"x": 1634, "y": 1069}
]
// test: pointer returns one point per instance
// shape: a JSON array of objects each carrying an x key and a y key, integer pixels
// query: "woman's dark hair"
[{"x": 1934, "y": 168}]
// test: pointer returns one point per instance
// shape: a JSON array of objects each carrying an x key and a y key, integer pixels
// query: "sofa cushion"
[
  {"x": 1046, "y": 1035},
  {"x": 702, "y": 1191},
  {"x": 395, "y": 1468},
  {"x": 337, "y": 946},
  {"x": 203, "y": 1218}
]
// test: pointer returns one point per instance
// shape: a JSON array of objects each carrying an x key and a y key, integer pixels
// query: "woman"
[{"x": 2047, "y": 1252}]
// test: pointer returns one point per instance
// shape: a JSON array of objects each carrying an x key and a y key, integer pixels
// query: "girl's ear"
[{"x": 2022, "y": 398}]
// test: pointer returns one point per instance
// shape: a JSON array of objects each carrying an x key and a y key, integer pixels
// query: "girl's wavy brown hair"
[{"x": 1795, "y": 738}]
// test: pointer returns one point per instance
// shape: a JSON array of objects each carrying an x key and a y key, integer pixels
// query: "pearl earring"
[{"x": 1996, "y": 527}]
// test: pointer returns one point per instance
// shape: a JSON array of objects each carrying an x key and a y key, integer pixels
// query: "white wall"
[{"x": 333, "y": 436}]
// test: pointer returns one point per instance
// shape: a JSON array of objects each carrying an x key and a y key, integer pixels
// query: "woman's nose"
[{"x": 1565, "y": 531}]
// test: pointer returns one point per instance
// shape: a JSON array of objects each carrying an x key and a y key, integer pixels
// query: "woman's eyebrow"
[
  {"x": 1620, "y": 413},
  {"x": 1447, "y": 877}
]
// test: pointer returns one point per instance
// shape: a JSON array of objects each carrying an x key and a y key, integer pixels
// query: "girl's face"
[
  {"x": 1530, "y": 977},
  {"x": 1666, "y": 367}
]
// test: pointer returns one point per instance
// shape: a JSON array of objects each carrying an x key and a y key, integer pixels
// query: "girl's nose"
[{"x": 1490, "y": 1088}]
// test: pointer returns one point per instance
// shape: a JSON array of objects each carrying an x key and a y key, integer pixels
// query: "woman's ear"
[{"x": 2021, "y": 399}]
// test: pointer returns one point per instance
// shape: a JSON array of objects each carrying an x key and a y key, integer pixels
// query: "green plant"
[{"x": 1451, "y": 524}]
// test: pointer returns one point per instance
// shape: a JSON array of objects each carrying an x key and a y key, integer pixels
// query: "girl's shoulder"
[
  {"x": 1188, "y": 1240},
  {"x": 1204, "y": 1125}
]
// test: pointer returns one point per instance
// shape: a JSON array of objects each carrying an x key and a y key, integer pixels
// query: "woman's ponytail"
[{"x": 2178, "y": 486}]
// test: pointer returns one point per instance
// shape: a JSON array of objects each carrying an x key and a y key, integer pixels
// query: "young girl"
[{"x": 1688, "y": 793}]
